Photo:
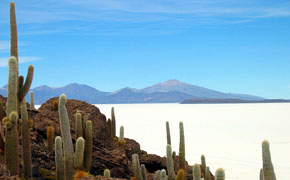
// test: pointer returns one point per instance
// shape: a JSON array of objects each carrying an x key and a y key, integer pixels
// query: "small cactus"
[
  {"x": 173, "y": 156},
  {"x": 32, "y": 100},
  {"x": 50, "y": 138},
  {"x": 143, "y": 172},
  {"x": 113, "y": 130},
  {"x": 156, "y": 175},
  {"x": 54, "y": 106},
  {"x": 219, "y": 174},
  {"x": 196, "y": 172},
  {"x": 169, "y": 163},
  {"x": 110, "y": 126},
  {"x": 268, "y": 169},
  {"x": 180, "y": 175},
  {"x": 121, "y": 140},
  {"x": 59, "y": 164},
  {"x": 107, "y": 173},
  {"x": 136, "y": 167},
  {"x": 207, "y": 174},
  {"x": 163, "y": 175},
  {"x": 168, "y": 133}
]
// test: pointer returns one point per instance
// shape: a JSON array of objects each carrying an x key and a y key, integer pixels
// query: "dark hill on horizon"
[{"x": 171, "y": 91}]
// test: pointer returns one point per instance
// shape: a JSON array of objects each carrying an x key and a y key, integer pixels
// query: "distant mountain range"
[{"x": 171, "y": 91}]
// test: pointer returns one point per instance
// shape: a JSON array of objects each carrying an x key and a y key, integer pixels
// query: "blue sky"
[{"x": 226, "y": 45}]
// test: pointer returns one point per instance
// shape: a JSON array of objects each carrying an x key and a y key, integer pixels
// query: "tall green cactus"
[
  {"x": 182, "y": 163},
  {"x": 32, "y": 100},
  {"x": 26, "y": 144},
  {"x": 143, "y": 172},
  {"x": 136, "y": 167},
  {"x": 169, "y": 163},
  {"x": 196, "y": 173},
  {"x": 203, "y": 165},
  {"x": 207, "y": 174},
  {"x": 168, "y": 133},
  {"x": 66, "y": 139},
  {"x": 13, "y": 32},
  {"x": 109, "y": 122},
  {"x": 59, "y": 164},
  {"x": 163, "y": 175},
  {"x": 79, "y": 125},
  {"x": 268, "y": 169},
  {"x": 219, "y": 174},
  {"x": 79, "y": 154},
  {"x": 12, "y": 87},
  {"x": 113, "y": 118},
  {"x": 88, "y": 146}
]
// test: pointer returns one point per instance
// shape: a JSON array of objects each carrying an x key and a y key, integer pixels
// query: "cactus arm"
[
  {"x": 12, "y": 86},
  {"x": 143, "y": 172},
  {"x": 28, "y": 81},
  {"x": 180, "y": 175},
  {"x": 79, "y": 125},
  {"x": 203, "y": 165},
  {"x": 13, "y": 32},
  {"x": 163, "y": 175},
  {"x": 66, "y": 139},
  {"x": 88, "y": 146},
  {"x": 207, "y": 174},
  {"x": 32, "y": 100},
  {"x": 59, "y": 159},
  {"x": 26, "y": 149},
  {"x": 50, "y": 138},
  {"x": 157, "y": 175},
  {"x": 79, "y": 153}
]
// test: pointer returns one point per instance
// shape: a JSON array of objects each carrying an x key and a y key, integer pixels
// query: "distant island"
[{"x": 229, "y": 101}]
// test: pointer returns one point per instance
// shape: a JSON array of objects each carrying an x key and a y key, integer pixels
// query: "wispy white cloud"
[
  {"x": 4, "y": 46},
  {"x": 22, "y": 59}
]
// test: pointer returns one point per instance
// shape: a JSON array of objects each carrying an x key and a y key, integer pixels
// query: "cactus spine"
[
  {"x": 180, "y": 175},
  {"x": 143, "y": 172},
  {"x": 66, "y": 139},
  {"x": 196, "y": 172},
  {"x": 88, "y": 146},
  {"x": 113, "y": 130},
  {"x": 268, "y": 169},
  {"x": 79, "y": 154},
  {"x": 79, "y": 125},
  {"x": 219, "y": 174},
  {"x": 169, "y": 163},
  {"x": 50, "y": 138},
  {"x": 163, "y": 174},
  {"x": 32, "y": 100},
  {"x": 136, "y": 167},
  {"x": 207, "y": 174},
  {"x": 182, "y": 164},
  {"x": 59, "y": 159},
  {"x": 203, "y": 165},
  {"x": 26, "y": 146},
  {"x": 107, "y": 173},
  {"x": 168, "y": 133}
]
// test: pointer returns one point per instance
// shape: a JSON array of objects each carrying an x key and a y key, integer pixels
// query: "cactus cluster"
[{"x": 82, "y": 157}]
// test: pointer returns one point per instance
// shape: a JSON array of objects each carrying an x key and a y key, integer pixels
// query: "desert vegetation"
[{"x": 70, "y": 139}]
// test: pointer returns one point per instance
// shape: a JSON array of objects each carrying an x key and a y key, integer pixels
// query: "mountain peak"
[{"x": 172, "y": 82}]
